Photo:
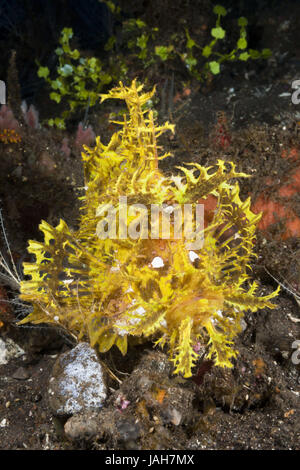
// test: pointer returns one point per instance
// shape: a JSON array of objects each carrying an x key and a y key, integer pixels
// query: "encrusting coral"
[
  {"x": 108, "y": 288},
  {"x": 274, "y": 211}
]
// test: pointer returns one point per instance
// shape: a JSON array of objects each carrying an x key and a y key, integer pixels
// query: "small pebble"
[
  {"x": 81, "y": 427},
  {"x": 21, "y": 374}
]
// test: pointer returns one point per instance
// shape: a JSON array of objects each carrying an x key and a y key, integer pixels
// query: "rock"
[
  {"x": 154, "y": 392},
  {"x": 9, "y": 350},
  {"x": 21, "y": 374},
  {"x": 174, "y": 416},
  {"x": 4, "y": 423},
  {"x": 82, "y": 427},
  {"x": 77, "y": 383},
  {"x": 128, "y": 430}
]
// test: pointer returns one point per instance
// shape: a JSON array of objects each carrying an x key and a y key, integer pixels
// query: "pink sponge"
[
  {"x": 84, "y": 136},
  {"x": 31, "y": 115},
  {"x": 7, "y": 119}
]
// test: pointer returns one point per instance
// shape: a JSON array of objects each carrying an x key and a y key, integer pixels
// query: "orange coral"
[
  {"x": 293, "y": 154},
  {"x": 9, "y": 136},
  {"x": 161, "y": 393},
  {"x": 273, "y": 211}
]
